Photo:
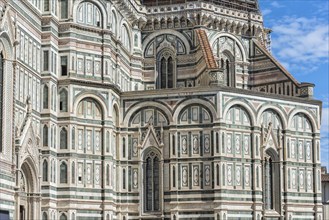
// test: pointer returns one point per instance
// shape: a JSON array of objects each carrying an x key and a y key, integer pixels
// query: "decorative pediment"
[
  {"x": 151, "y": 137},
  {"x": 269, "y": 139},
  {"x": 8, "y": 24}
]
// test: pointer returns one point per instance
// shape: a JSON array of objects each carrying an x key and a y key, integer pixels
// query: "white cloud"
[
  {"x": 266, "y": 11},
  {"x": 301, "y": 42},
  {"x": 276, "y": 4}
]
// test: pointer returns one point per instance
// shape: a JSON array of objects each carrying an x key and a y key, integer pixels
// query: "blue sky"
[{"x": 300, "y": 41}]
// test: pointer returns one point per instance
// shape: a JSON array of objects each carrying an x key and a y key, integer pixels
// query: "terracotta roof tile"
[
  {"x": 207, "y": 51},
  {"x": 324, "y": 177}
]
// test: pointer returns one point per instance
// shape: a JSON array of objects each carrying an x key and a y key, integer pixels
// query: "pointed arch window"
[
  {"x": 63, "y": 173},
  {"x": 63, "y": 100},
  {"x": 63, "y": 217},
  {"x": 73, "y": 172},
  {"x": 151, "y": 182},
  {"x": 63, "y": 136},
  {"x": 45, "y": 135},
  {"x": 271, "y": 185},
  {"x": 45, "y": 171},
  {"x": 45, "y": 96},
  {"x": 44, "y": 216},
  {"x": 166, "y": 71}
]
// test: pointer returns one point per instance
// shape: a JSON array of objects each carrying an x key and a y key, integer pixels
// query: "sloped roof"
[
  {"x": 206, "y": 49},
  {"x": 279, "y": 68}
]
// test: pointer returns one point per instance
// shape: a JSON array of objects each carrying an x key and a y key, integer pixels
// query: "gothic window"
[
  {"x": 54, "y": 7},
  {"x": 63, "y": 100},
  {"x": 123, "y": 147},
  {"x": 174, "y": 176},
  {"x": 217, "y": 175},
  {"x": 73, "y": 138},
  {"x": 166, "y": 69},
  {"x": 46, "y": 5},
  {"x": 63, "y": 139},
  {"x": 45, "y": 135},
  {"x": 63, "y": 217},
  {"x": 64, "y": 8},
  {"x": 125, "y": 37},
  {"x": 271, "y": 181},
  {"x": 124, "y": 179},
  {"x": 45, "y": 97},
  {"x": 63, "y": 173},
  {"x": 223, "y": 174},
  {"x": 64, "y": 66},
  {"x": 108, "y": 175},
  {"x": 89, "y": 14},
  {"x": 44, "y": 216},
  {"x": 46, "y": 60},
  {"x": 45, "y": 171},
  {"x": 53, "y": 100},
  {"x": 114, "y": 24},
  {"x": 108, "y": 142},
  {"x": 151, "y": 182},
  {"x": 73, "y": 172}
]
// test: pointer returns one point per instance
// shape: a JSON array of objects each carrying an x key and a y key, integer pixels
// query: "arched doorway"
[{"x": 28, "y": 195}]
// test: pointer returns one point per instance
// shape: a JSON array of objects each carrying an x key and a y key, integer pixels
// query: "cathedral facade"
[{"x": 151, "y": 109}]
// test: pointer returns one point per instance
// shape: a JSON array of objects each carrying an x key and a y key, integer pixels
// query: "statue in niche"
[{"x": 22, "y": 183}]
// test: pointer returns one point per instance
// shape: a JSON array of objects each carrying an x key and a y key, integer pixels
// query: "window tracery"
[
  {"x": 166, "y": 70},
  {"x": 151, "y": 182},
  {"x": 89, "y": 14}
]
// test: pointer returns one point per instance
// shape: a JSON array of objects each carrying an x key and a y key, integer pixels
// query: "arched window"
[
  {"x": 73, "y": 172},
  {"x": 223, "y": 174},
  {"x": 73, "y": 138},
  {"x": 73, "y": 216},
  {"x": 63, "y": 100},
  {"x": 64, "y": 8},
  {"x": 271, "y": 180},
  {"x": 108, "y": 175},
  {"x": 114, "y": 24},
  {"x": 63, "y": 217},
  {"x": 166, "y": 69},
  {"x": 151, "y": 182},
  {"x": 89, "y": 14},
  {"x": 227, "y": 72},
  {"x": 173, "y": 176},
  {"x": 45, "y": 135},
  {"x": 124, "y": 179},
  {"x": 45, "y": 171},
  {"x": 44, "y": 216},
  {"x": 45, "y": 96},
  {"x": 123, "y": 147},
  {"x": 217, "y": 175},
  {"x": 125, "y": 38},
  {"x": 63, "y": 173},
  {"x": 63, "y": 136}
]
